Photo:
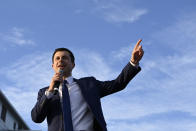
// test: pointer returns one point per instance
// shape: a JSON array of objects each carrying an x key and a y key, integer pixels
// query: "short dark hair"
[{"x": 64, "y": 49}]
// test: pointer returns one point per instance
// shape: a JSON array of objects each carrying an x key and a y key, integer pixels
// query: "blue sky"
[{"x": 101, "y": 34}]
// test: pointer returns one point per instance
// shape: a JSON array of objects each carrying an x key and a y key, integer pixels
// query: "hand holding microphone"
[{"x": 56, "y": 80}]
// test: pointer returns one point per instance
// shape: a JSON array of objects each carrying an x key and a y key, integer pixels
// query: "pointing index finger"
[{"x": 138, "y": 43}]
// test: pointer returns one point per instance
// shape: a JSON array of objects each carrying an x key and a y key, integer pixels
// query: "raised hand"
[{"x": 137, "y": 53}]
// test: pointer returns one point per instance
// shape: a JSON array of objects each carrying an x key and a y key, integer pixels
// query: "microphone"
[{"x": 57, "y": 83}]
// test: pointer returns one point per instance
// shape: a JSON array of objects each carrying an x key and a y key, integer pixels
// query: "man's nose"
[{"x": 61, "y": 59}]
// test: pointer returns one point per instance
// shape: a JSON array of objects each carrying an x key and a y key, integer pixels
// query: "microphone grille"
[{"x": 61, "y": 71}]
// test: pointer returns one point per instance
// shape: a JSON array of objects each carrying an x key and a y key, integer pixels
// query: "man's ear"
[{"x": 73, "y": 65}]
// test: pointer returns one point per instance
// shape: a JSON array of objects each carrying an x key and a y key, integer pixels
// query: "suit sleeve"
[
  {"x": 126, "y": 75},
  {"x": 39, "y": 111}
]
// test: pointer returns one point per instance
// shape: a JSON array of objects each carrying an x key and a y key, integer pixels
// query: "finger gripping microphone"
[{"x": 57, "y": 83}]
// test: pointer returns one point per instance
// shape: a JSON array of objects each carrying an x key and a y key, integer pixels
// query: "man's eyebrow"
[{"x": 62, "y": 56}]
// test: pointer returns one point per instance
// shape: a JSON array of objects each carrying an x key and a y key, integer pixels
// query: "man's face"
[{"x": 62, "y": 60}]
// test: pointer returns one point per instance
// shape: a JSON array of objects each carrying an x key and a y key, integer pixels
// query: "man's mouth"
[{"x": 61, "y": 66}]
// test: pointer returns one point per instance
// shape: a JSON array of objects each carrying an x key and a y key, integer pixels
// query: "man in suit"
[{"x": 84, "y": 94}]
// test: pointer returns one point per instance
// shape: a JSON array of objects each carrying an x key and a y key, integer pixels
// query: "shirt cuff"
[
  {"x": 135, "y": 65},
  {"x": 49, "y": 94}
]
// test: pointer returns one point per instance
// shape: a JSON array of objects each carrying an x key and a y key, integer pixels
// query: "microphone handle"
[
  {"x": 56, "y": 87},
  {"x": 57, "y": 83}
]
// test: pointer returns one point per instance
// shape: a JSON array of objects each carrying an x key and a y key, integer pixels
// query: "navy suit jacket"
[{"x": 92, "y": 90}]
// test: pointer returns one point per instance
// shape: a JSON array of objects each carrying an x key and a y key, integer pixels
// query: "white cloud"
[
  {"x": 115, "y": 11},
  {"x": 180, "y": 36},
  {"x": 17, "y": 37},
  {"x": 118, "y": 14},
  {"x": 180, "y": 125},
  {"x": 29, "y": 70},
  {"x": 90, "y": 63},
  {"x": 124, "y": 52}
]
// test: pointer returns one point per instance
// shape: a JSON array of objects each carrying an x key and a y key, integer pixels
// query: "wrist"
[
  {"x": 50, "y": 89},
  {"x": 134, "y": 62},
  {"x": 135, "y": 65}
]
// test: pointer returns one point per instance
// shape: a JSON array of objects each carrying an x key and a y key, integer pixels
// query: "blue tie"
[{"x": 68, "y": 126}]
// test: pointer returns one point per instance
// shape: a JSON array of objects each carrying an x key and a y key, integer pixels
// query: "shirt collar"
[{"x": 69, "y": 79}]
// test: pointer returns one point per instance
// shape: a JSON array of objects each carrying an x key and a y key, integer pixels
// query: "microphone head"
[{"x": 61, "y": 71}]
